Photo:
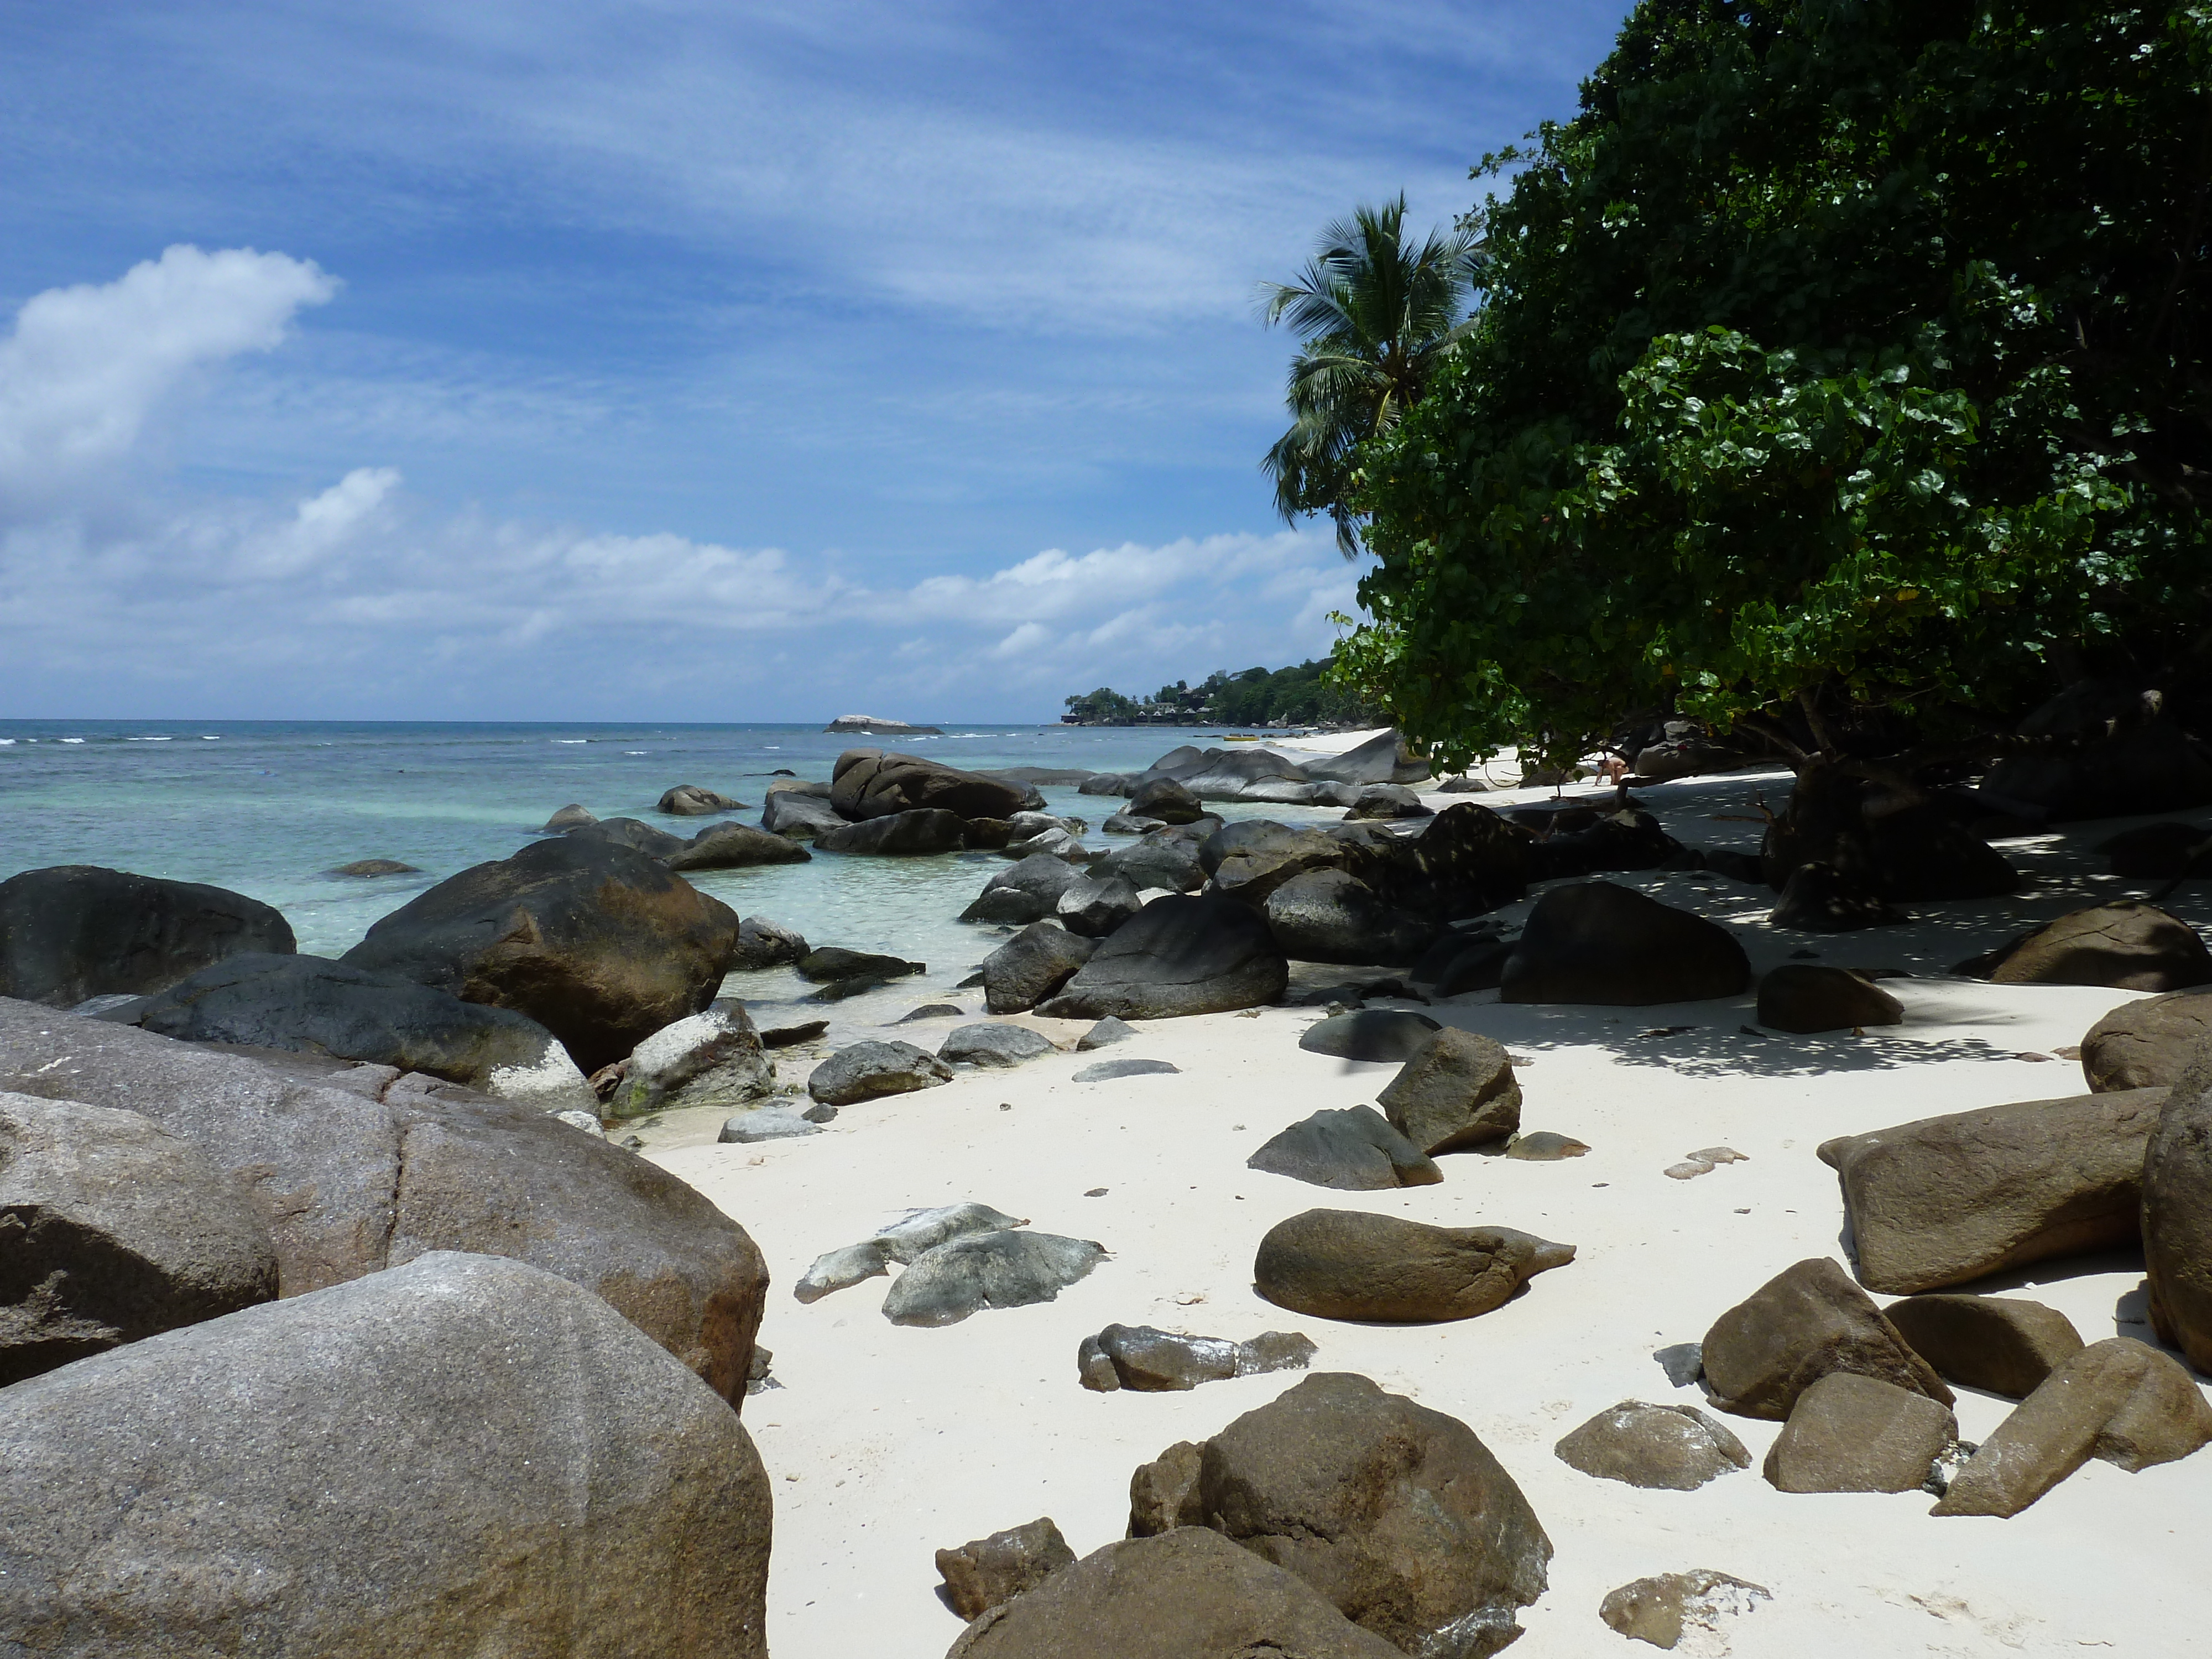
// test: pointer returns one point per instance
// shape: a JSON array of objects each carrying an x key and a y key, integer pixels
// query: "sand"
[{"x": 888, "y": 1443}]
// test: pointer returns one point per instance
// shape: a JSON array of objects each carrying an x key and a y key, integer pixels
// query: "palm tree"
[{"x": 1374, "y": 318}]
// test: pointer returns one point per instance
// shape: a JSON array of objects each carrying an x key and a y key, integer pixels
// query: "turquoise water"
[{"x": 269, "y": 808}]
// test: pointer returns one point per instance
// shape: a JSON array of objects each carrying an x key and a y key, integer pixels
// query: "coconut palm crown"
[{"x": 1374, "y": 317}]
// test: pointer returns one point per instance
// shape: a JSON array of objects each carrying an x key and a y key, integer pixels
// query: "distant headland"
[{"x": 881, "y": 728}]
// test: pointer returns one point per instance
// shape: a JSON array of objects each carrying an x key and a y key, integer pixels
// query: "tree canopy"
[{"x": 1841, "y": 354}]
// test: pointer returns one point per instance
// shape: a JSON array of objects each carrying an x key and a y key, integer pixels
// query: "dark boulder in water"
[
  {"x": 75, "y": 931},
  {"x": 1177, "y": 956},
  {"x": 871, "y": 783},
  {"x": 601, "y": 945}
]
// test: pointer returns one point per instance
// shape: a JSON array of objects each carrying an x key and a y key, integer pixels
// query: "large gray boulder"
[
  {"x": 2003, "y": 1344},
  {"x": 633, "y": 833},
  {"x": 314, "y": 1006},
  {"x": 111, "y": 1230},
  {"x": 1398, "y": 1514},
  {"x": 1383, "y": 758},
  {"x": 765, "y": 943},
  {"x": 357, "y": 1169},
  {"x": 1801, "y": 996},
  {"x": 1331, "y": 916},
  {"x": 75, "y": 932},
  {"x": 428, "y": 1454},
  {"x": 1370, "y": 1034},
  {"x": 1595, "y": 942},
  {"x": 1947, "y": 1200},
  {"x": 1189, "y": 1593},
  {"x": 993, "y": 1044},
  {"x": 600, "y": 944},
  {"x": 690, "y": 801},
  {"x": 1177, "y": 956},
  {"x": 1032, "y": 965},
  {"x": 1250, "y": 858},
  {"x": 1165, "y": 799},
  {"x": 874, "y": 783}
]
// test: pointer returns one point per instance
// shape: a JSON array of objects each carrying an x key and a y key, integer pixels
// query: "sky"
[{"x": 686, "y": 359}]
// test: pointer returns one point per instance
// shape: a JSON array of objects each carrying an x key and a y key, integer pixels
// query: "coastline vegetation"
[
  {"x": 1839, "y": 368},
  {"x": 1304, "y": 694}
]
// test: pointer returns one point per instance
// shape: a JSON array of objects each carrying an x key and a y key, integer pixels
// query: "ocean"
[{"x": 270, "y": 808}]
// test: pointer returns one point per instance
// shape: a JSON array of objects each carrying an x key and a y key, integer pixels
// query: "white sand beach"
[{"x": 887, "y": 1443}]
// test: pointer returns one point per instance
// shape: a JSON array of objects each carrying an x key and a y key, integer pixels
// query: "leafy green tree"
[
  {"x": 1374, "y": 316},
  {"x": 1841, "y": 355}
]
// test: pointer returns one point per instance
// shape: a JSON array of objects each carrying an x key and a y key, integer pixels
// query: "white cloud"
[
  {"x": 362, "y": 598},
  {"x": 85, "y": 366}
]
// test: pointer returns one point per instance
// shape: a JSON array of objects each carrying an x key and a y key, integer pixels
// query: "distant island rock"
[{"x": 879, "y": 728}]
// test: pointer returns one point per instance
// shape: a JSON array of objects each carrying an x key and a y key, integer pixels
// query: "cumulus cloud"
[{"x": 85, "y": 366}]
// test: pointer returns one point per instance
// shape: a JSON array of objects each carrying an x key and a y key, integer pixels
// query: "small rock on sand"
[
  {"x": 1106, "y": 1031},
  {"x": 1661, "y": 1609},
  {"x": 1107, "y": 1070},
  {"x": 988, "y": 1573},
  {"x": 1672, "y": 1448}
]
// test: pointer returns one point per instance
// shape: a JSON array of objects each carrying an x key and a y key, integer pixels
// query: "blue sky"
[{"x": 685, "y": 359}]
